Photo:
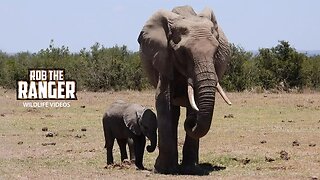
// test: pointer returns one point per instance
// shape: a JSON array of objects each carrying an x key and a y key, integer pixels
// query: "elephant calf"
[{"x": 129, "y": 123}]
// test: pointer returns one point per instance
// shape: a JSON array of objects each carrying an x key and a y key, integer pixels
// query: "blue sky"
[{"x": 252, "y": 24}]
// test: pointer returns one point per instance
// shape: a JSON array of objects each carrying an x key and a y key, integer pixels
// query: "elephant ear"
[
  {"x": 154, "y": 51},
  {"x": 221, "y": 57},
  {"x": 131, "y": 117},
  {"x": 149, "y": 118}
]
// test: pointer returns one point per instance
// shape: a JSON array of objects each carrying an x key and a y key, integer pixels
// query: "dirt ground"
[{"x": 261, "y": 136}]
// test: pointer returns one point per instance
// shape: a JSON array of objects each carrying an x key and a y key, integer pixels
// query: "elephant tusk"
[
  {"x": 191, "y": 98},
  {"x": 223, "y": 94}
]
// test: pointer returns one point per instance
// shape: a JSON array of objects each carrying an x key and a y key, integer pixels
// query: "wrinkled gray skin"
[
  {"x": 178, "y": 49},
  {"x": 129, "y": 123}
]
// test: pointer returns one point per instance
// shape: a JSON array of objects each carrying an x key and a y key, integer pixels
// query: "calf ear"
[
  {"x": 130, "y": 118},
  {"x": 149, "y": 118}
]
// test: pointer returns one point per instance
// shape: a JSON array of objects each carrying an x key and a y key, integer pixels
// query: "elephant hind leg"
[
  {"x": 123, "y": 151},
  {"x": 109, "y": 147}
]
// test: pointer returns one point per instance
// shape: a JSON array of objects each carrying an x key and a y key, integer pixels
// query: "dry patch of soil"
[{"x": 268, "y": 136}]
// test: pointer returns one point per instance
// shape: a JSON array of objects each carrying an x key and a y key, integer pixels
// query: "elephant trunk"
[
  {"x": 205, "y": 92},
  {"x": 153, "y": 141}
]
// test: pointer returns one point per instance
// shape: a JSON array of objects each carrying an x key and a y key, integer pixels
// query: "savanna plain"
[{"x": 261, "y": 136}]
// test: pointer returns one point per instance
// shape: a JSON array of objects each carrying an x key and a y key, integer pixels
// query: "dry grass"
[{"x": 256, "y": 127}]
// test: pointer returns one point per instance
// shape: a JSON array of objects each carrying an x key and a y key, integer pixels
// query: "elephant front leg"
[
  {"x": 190, "y": 150},
  {"x": 139, "y": 144},
  {"x": 167, "y": 115}
]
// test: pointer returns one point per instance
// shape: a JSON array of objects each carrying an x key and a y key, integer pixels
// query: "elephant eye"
[
  {"x": 212, "y": 30},
  {"x": 177, "y": 33},
  {"x": 176, "y": 38},
  {"x": 183, "y": 31}
]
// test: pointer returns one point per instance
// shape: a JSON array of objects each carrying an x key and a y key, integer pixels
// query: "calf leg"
[
  {"x": 131, "y": 149},
  {"x": 109, "y": 147},
  {"x": 123, "y": 151},
  {"x": 139, "y": 144}
]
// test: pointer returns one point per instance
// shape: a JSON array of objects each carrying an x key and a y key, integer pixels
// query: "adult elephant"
[{"x": 185, "y": 55}]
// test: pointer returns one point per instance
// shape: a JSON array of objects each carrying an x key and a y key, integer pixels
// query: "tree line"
[
  {"x": 278, "y": 68},
  {"x": 116, "y": 68}
]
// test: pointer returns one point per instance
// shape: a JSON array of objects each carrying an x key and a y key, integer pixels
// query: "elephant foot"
[
  {"x": 165, "y": 167},
  {"x": 140, "y": 168},
  {"x": 193, "y": 170},
  {"x": 127, "y": 162},
  {"x": 108, "y": 166}
]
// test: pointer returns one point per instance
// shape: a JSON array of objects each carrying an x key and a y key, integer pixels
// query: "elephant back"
[{"x": 116, "y": 108}]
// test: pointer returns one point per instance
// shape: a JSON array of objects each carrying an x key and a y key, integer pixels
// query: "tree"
[
  {"x": 240, "y": 74},
  {"x": 280, "y": 64},
  {"x": 311, "y": 72}
]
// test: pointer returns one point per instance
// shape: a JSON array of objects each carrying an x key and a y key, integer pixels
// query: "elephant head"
[
  {"x": 142, "y": 121},
  {"x": 183, "y": 45}
]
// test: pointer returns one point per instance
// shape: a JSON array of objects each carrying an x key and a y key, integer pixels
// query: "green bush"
[
  {"x": 240, "y": 74},
  {"x": 280, "y": 65},
  {"x": 117, "y": 68},
  {"x": 311, "y": 72},
  {"x": 98, "y": 69}
]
